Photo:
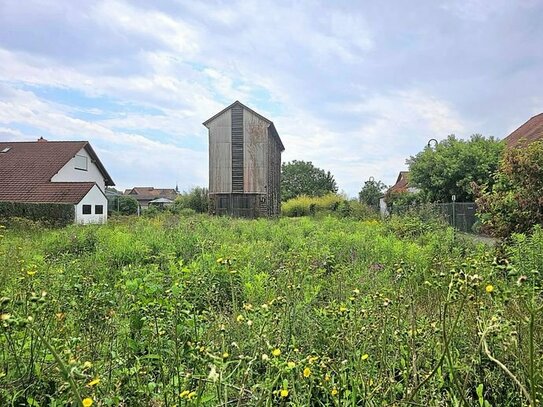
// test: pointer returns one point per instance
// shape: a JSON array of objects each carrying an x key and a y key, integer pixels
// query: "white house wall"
[
  {"x": 94, "y": 197},
  {"x": 69, "y": 173}
]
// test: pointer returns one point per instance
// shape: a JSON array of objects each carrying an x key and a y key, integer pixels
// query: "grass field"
[{"x": 215, "y": 311}]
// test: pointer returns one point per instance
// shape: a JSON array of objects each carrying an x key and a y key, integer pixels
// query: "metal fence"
[{"x": 460, "y": 215}]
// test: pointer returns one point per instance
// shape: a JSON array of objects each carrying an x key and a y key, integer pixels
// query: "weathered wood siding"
[
  {"x": 255, "y": 146},
  {"x": 220, "y": 150},
  {"x": 273, "y": 174},
  {"x": 238, "y": 153},
  {"x": 244, "y": 164}
]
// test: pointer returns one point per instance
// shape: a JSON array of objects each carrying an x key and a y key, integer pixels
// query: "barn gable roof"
[
  {"x": 530, "y": 131},
  {"x": 238, "y": 103}
]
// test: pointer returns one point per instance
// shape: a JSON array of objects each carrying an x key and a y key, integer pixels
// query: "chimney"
[{"x": 42, "y": 140}]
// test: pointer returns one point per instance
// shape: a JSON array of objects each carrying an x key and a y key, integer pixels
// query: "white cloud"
[{"x": 174, "y": 34}]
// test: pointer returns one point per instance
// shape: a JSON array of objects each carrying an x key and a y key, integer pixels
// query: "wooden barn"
[{"x": 244, "y": 163}]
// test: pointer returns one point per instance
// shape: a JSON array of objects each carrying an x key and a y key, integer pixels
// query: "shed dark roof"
[
  {"x": 530, "y": 131},
  {"x": 238, "y": 103},
  {"x": 26, "y": 170}
]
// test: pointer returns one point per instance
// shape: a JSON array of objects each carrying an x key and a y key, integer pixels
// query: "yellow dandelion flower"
[
  {"x": 334, "y": 392},
  {"x": 489, "y": 288},
  {"x": 291, "y": 365},
  {"x": 284, "y": 393},
  {"x": 220, "y": 260},
  {"x": 307, "y": 372},
  {"x": 326, "y": 377},
  {"x": 365, "y": 356},
  {"x": 87, "y": 364},
  {"x": 191, "y": 395},
  {"x": 240, "y": 318},
  {"x": 93, "y": 382},
  {"x": 342, "y": 309},
  {"x": 312, "y": 359},
  {"x": 184, "y": 394},
  {"x": 87, "y": 402},
  {"x": 31, "y": 273},
  {"x": 276, "y": 352},
  {"x": 225, "y": 355}
]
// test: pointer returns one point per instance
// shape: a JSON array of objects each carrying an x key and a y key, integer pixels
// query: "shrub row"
[{"x": 47, "y": 213}]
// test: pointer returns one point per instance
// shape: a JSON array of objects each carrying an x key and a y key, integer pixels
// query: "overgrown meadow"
[{"x": 222, "y": 312}]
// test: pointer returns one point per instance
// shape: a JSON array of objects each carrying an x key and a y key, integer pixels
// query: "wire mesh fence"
[{"x": 460, "y": 215}]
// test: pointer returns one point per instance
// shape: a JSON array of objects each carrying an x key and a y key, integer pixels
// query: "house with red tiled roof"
[
  {"x": 145, "y": 195},
  {"x": 530, "y": 131},
  {"x": 402, "y": 184},
  {"x": 56, "y": 172}
]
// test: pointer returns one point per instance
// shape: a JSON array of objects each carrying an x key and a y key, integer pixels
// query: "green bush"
[
  {"x": 196, "y": 199},
  {"x": 56, "y": 215},
  {"x": 515, "y": 202},
  {"x": 305, "y": 205},
  {"x": 123, "y": 205}
]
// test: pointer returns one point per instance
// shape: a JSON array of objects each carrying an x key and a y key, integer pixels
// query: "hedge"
[{"x": 47, "y": 213}]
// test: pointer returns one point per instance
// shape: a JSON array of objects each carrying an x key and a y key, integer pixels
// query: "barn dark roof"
[
  {"x": 26, "y": 170},
  {"x": 530, "y": 131},
  {"x": 238, "y": 103}
]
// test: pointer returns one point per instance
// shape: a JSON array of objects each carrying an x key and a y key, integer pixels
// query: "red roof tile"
[
  {"x": 402, "y": 183},
  {"x": 144, "y": 193},
  {"x": 530, "y": 131}
]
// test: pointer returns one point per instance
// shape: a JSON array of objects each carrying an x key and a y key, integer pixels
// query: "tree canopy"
[
  {"x": 303, "y": 178},
  {"x": 515, "y": 203},
  {"x": 371, "y": 192},
  {"x": 454, "y": 165}
]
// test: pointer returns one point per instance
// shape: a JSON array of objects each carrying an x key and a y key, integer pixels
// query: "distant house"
[
  {"x": 145, "y": 195},
  {"x": 63, "y": 172},
  {"x": 530, "y": 131},
  {"x": 244, "y": 163},
  {"x": 402, "y": 184}
]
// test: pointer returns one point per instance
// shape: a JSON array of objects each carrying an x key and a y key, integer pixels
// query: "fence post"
[{"x": 453, "y": 211}]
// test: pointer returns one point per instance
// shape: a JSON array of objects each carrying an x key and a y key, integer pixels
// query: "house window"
[
  {"x": 98, "y": 209},
  {"x": 87, "y": 209},
  {"x": 81, "y": 162}
]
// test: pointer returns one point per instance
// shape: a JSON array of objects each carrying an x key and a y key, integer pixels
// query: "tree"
[
  {"x": 123, "y": 204},
  {"x": 371, "y": 192},
  {"x": 515, "y": 203},
  {"x": 197, "y": 199},
  {"x": 303, "y": 178},
  {"x": 454, "y": 165}
]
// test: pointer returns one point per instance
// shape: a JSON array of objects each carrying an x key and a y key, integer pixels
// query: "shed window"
[
  {"x": 98, "y": 209},
  {"x": 87, "y": 209},
  {"x": 81, "y": 162}
]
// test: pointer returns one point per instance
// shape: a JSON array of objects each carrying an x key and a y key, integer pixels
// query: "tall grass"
[{"x": 215, "y": 311}]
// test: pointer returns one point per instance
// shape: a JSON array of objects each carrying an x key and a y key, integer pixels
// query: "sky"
[{"x": 356, "y": 87}]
